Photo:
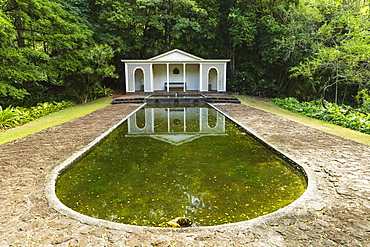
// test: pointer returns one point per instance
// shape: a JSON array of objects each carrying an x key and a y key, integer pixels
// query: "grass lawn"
[
  {"x": 268, "y": 106},
  {"x": 52, "y": 120}
]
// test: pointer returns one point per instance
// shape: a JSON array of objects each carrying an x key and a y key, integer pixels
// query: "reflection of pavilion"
[{"x": 176, "y": 125}]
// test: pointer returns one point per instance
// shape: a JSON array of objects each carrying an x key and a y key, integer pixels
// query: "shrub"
[
  {"x": 7, "y": 117},
  {"x": 363, "y": 100},
  {"x": 11, "y": 117},
  {"x": 341, "y": 115}
]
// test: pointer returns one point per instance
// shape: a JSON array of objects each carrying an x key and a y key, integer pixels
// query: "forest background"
[{"x": 54, "y": 50}]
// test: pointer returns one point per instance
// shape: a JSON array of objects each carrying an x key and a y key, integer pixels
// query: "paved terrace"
[{"x": 335, "y": 211}]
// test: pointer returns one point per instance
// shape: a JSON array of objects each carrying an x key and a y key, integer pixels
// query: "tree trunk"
[
  {"x": 168, "y": 26},
  {"x": 18, "y": 25},
  {"x": 167, "y": 34}
]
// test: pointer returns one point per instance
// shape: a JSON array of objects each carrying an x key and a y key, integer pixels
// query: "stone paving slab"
[{"x": 334, "y": 211}]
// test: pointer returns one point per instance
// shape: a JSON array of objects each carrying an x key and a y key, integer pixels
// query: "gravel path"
[{"x": 335, "y": 210}]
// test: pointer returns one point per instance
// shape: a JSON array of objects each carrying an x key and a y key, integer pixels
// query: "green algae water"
[{"x": 164, "y": 163}]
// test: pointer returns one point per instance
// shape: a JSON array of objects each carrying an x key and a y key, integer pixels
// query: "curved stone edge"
[
  {"x": 300, "y": 203},
  {"x": 51, "y": 180},
  {"x": 310, "y": 194}
]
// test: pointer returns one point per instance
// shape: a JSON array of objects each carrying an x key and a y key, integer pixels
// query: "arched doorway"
[
  {"x": 139, "y": 79},
  {"x": 212, "y": 79}
]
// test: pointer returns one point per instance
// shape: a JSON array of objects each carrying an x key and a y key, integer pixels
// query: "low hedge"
[
  {"x": 14, "y": 116},
  {"x": 342, "y": 115}
]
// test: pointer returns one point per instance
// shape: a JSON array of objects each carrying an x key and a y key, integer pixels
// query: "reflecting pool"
[{"x": 164, "y": 163}]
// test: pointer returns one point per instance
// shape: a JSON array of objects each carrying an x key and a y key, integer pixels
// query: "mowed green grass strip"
[
  {"x": 269, "y": 106},
  {"x": 52, "y": 119}
]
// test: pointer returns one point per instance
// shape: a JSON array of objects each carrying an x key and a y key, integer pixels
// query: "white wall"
[
  {"x": 192, "y": 76},
  {"x": 159, "y": 76},
  {"x": 134, "y": 73},
  {"x": 221, "y": 76},
  {"x": 178, "y": 77}
]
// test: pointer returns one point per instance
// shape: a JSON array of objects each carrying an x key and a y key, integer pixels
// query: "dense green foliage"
[
  {"x": 46, "y": 51},
  {"x": 62, "y": 49},
  {"x": 342, "y": 115},
  {"x": 12, "y": 117}
]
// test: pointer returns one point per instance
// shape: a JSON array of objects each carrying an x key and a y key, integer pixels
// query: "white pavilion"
[{"x": 175, "y": 70}]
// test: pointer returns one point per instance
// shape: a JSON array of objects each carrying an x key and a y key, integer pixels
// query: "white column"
[
  {"x": 224, "y": 79},
  {"x": 200, "y": 76},
  {"x": 126, "y": 77},
  {"x": 168, "y": 76},
  {"x": 184, "y": 76},
  {"x": 151, "y": 78}
]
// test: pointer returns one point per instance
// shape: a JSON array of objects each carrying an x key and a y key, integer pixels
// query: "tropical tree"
[
  {"x": 15, "y": 68},
  {"x": 49, "y": 43},
  {"x": 304, "y": 48},
  {"x": 340, "y": 64},
  {"x": 84, "y": 73}
]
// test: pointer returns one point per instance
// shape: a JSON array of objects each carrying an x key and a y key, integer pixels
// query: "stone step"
[
  {"x": 210, "y": 98},
  {"x": 128, "y": 100}
]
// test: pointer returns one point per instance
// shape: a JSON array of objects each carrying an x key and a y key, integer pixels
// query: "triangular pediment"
[
  {"x": 176, "y": 55},
  {"x": 176, "y": 139}
]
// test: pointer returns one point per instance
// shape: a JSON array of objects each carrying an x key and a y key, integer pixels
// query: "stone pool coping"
[{"x": 333, "y": 211}]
